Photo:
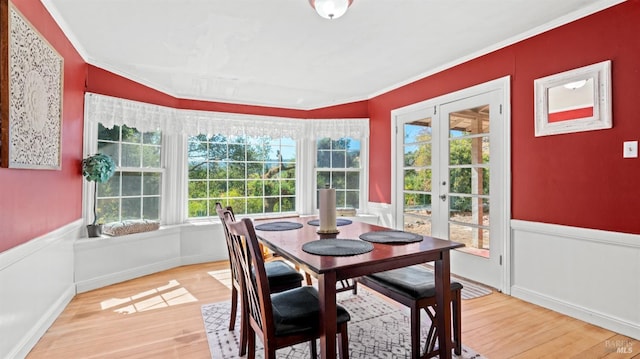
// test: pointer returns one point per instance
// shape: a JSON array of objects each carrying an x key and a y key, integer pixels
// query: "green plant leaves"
[{"x": 98, "y": 168}]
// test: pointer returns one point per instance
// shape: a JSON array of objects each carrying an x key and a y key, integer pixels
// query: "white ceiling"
[{"x": 281, "y": 53}]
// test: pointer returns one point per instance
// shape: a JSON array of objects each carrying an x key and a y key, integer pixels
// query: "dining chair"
[
  {"x": 414, "y": 286},
  {"x": 280, "y": 277},
  {"x": 279, "y": 319}
]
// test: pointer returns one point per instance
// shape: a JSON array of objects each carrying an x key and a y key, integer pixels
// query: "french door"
[{"x": 451, "y": 164}]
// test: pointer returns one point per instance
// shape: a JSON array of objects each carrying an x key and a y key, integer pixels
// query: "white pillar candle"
[{"x": 327, "y": 211}]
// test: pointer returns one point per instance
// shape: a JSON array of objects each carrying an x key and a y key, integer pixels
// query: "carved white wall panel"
[{"x": 35, "y": 98}]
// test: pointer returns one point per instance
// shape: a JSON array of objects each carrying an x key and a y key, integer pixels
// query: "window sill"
[{"x": 105, "y": 239}]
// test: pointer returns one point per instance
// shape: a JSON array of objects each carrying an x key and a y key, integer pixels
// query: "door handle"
[{"x": 443, "y": 197}]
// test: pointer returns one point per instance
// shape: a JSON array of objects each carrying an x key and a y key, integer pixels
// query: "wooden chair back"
[
  {"x": 247, "y": 249},
  {"x": 236, "y": 275}
]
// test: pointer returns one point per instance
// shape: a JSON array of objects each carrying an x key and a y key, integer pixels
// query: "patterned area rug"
[
  {"x": 377, "y": 330},
  {"x": 471, "y": 290}
]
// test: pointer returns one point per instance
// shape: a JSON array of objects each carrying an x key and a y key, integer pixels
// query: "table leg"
[
  {"x": 328, "y": 315},
  {"x": 443, "y": 307}
]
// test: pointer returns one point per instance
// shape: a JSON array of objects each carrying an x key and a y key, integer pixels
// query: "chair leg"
[
  {"x": 347, "y": 284},
  {"x": 234, "y": 308},
  {"x": 432, "y": 334},
  {"x": 344, "y": 342},
  {"x": 415, "y": 331},
  {"x": 244, "y": 326},
  {"x": 251, "y": 344},
  {"x": 313, "y": 349},
  {"x": 457, "y": 322},
  {"x": 269, "y": 352},
  {"x": 307, "y": 277}
]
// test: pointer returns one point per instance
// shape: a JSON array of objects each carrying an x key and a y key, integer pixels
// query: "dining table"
[{"x": 329, "y": 269}]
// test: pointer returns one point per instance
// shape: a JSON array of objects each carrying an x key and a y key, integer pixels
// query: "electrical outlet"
[{"x": 630, "y": 149}]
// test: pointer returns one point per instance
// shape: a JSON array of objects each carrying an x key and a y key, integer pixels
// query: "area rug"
[
  {"x": 378, "y": 329},
  {"x": 472, "y": 290}
]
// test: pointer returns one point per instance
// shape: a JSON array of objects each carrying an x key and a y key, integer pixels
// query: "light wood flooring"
[{"x": 158, "y": 316}]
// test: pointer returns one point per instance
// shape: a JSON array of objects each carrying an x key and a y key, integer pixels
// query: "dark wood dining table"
[{"x": 330, "y": 269}]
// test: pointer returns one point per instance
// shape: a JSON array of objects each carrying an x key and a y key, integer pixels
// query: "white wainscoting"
[
  {"x": 588, "y": 274},
  {"x": 36, "y": 284},
  {"x": 105, "y": 261},
  {"x": 384, "y": 213},
  {"x": 40, "y": 277},
  {"x": 202, "y": 243}
]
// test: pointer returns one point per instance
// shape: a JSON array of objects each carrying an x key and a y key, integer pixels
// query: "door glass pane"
[
  {"x": 466, "y": 151},
  {"x": 470, "y": 210},
  {"x": 471, "y": 121},
  {"x": 476, "y": 239},
  {"x": 417, "y": 176},
  {"x": 417, "y": 180},
  {"x": 417, "y": 213},
  {"x": 469, "y": 179}
]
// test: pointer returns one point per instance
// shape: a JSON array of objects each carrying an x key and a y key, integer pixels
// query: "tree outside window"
[
  {"x": 338, "y": 166},
  {"x": 253, "y": 175}
]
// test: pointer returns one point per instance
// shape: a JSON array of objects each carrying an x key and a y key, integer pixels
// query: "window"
[
  {"x": 338, "y": 166},
  {"x": 134, "y": 192},
  {"x": 175, "y": 164},
  {"x": 252, "y": 174}
]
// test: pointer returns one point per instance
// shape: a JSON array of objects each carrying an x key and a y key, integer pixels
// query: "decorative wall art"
[
  {"x": 574, "y": 101},
  {"x": 32, "y": 84}
]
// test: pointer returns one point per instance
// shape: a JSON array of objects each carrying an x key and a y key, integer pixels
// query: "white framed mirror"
[{"x": 573, "y": 101}]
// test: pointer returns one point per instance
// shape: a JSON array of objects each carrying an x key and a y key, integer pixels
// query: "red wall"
[
  {"x": 34, "y": 202},
  {"x": 577, "y": 179}
]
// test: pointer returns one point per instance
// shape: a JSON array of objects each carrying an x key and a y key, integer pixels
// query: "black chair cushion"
[
  {"x": 414, "y": 282},
  {"x": 298, "y": 310},
  {"x": 280, "y": 273}
]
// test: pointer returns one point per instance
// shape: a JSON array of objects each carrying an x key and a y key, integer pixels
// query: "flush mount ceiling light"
[{"x": 330, "y": 9}]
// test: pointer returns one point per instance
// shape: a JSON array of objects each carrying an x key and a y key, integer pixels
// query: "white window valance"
[{"x": 145, "y": 117}]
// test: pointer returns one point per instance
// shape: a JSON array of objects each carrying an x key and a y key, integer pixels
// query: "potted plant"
[{"x": 97, "y": 169}]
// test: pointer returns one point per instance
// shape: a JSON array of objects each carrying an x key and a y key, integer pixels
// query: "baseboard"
[
  {"x": 132, "y": 273},
  {"x": 197, "y": 259},
  {"x": 585, "y": 314}
]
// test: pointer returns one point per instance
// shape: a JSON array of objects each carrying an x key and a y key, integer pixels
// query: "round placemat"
[
  {"x": 278, "y": 226},
  {"x": 337, "y": 247},
  {"x": 339, "y": 222},
  {"x": 390, "y": 237}
]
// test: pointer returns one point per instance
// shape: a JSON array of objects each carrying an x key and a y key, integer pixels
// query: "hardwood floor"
[{"x": 158, "y": 316}]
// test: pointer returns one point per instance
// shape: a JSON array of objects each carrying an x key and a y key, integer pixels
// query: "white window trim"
[{"x": 177, "y": 124}]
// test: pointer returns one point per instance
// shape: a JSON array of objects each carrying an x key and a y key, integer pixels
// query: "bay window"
[{"x": 174, "y": 164}]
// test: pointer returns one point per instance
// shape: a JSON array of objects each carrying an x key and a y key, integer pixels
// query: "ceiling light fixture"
[{"x": 331, "y": 9}]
